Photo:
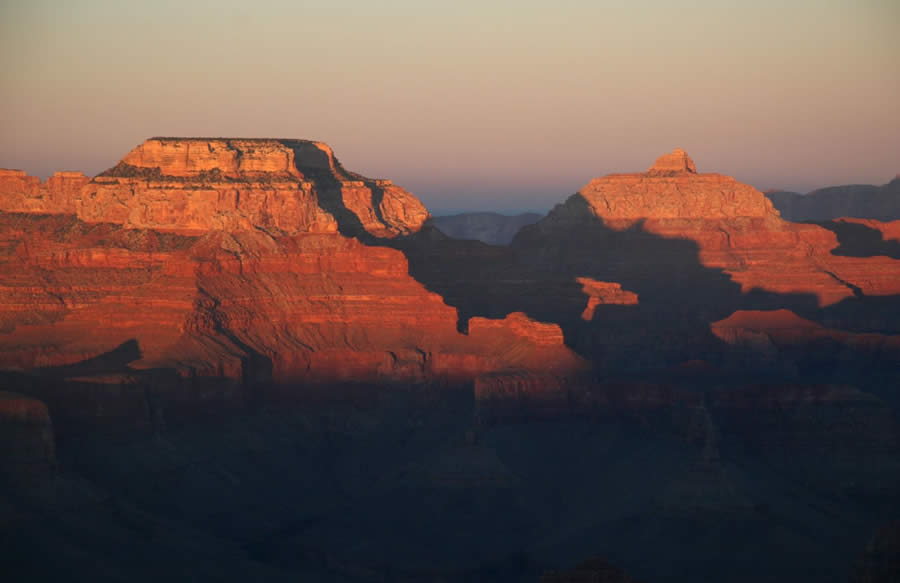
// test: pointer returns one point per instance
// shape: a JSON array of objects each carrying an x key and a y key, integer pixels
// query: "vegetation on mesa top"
[{"x": 125, "y": 170}]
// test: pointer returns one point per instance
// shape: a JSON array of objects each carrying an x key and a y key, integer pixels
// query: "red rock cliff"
[
  {"x": 735, "y": 227},
  {"x": 191, "y": 185},
  {"x": 22, "y": 193},
  {"x": 229, "y": 258}
]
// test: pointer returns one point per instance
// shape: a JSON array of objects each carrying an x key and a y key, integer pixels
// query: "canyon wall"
[{"x": 259, "y": 261}]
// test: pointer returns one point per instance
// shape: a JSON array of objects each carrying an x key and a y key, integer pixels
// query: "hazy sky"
[{"x": 468, "y": 104}]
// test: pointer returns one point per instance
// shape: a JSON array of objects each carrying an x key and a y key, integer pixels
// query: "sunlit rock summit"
[{"x": 238, "y": 258}]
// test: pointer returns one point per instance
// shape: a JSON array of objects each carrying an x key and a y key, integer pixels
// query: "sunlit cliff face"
[
  {"x": 735, "y": 227},
  {"x": 271, "y": 248}
]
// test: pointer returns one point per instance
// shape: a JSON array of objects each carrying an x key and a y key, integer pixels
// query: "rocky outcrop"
[
  {"x": 633, "y": 229},
  {"x": 675, "y": 162},
  {"x": 855, "y": 200},
  {"x": 258, "y": 262},
  {"x": 264, "y": 261},
  {"x": 193, "y": 185},
  {"x": 286, "y": 186},
  {"x": 783, "y": 340},
  {"x": 604, "y": 293},
  {"x": 672, "y": 189},
  {"x": 22, "y": 193}
]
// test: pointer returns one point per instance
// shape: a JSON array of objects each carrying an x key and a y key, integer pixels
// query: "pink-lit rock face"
[
  {"x": 22, "y": 193},
  {"x": 212, "y": 253},
  {"x": 216, "y": 255},
  {"x": 192, "y": 185},
  {"x": 675, "y": 161},
  {"x": 234, "y": 158},
  {"x": 672, "y": 189},
  {"x": 604, "y": 292},
  {"x": 736, "y": 229}
]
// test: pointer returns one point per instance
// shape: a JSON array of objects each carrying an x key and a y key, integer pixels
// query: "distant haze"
[{"x": 470, "y": 104}]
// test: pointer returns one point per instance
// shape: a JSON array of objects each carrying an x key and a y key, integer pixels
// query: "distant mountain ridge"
[
  {"x": 492, "y": 228},
  {"x": 861, "y": 201}
]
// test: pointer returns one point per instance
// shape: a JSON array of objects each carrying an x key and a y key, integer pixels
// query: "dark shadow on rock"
[
  {"x": 114, "y": 361},
  {"x": 678, "y": 297},
  {"x": 326, "y": 173},
  {"x": 858, "y": 240}
]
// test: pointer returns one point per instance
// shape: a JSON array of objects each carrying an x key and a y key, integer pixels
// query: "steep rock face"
[
  {"x": 230, "y": 259},
  {"x": 317, "y": 308},
  {"x": 674, "y": 162},
  {"x": 735, "y": 229},
  {"x": 672, "y": 189},
  {"x": 192, "y": 185},
  {"x": 22, "y": 193},
  {"x": 671, "y": 251}
]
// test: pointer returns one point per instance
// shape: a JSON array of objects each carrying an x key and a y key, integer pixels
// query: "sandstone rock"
[
  {"x": 672, "y": 189},
  {"x": 229, "y": 259},
  {"x": 734, "y": 226},
  {"x": 22, "y": 193},
  {"x": 604, "y": 292},
  {"x": 675, "y": 161},
  {"x": 192, "y": 185}
]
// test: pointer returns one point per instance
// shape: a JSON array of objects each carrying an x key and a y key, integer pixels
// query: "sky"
[{"x": 471, "y": 105}]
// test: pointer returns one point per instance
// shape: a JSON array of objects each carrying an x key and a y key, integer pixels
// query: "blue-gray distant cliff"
[{"x": 863, "y": 201}]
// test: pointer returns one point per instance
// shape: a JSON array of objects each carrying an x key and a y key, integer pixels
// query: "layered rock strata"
[
  {"x": 256, "y": 260},
  {"x": 22, "y": 193}
]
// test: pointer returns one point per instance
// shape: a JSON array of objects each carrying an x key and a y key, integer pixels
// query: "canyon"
[{"x": 665, "y": 324}]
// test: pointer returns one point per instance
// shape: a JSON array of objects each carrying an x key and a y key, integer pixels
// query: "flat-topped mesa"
[
  {"x": 215, "y": 158},
  {"x": 672, "y": 189},
  {"x": 234, "y": 184}
]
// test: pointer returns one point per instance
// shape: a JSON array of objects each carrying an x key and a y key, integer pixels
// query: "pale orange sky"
[{"x": 470, "y": 105}]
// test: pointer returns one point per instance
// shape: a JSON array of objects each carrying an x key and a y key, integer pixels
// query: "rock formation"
[
  {"x": 735, "y": 227},
  {"x": 696, "y": 336},
  {"x": 265, "y": 261},
  {"x": 651, "y": 271},
  {"x": 862, "y": 201},
  {"x": 253, "y": 260},
  {"x": 284, "y": 186},
  {"x": 22, "y": 193}
]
